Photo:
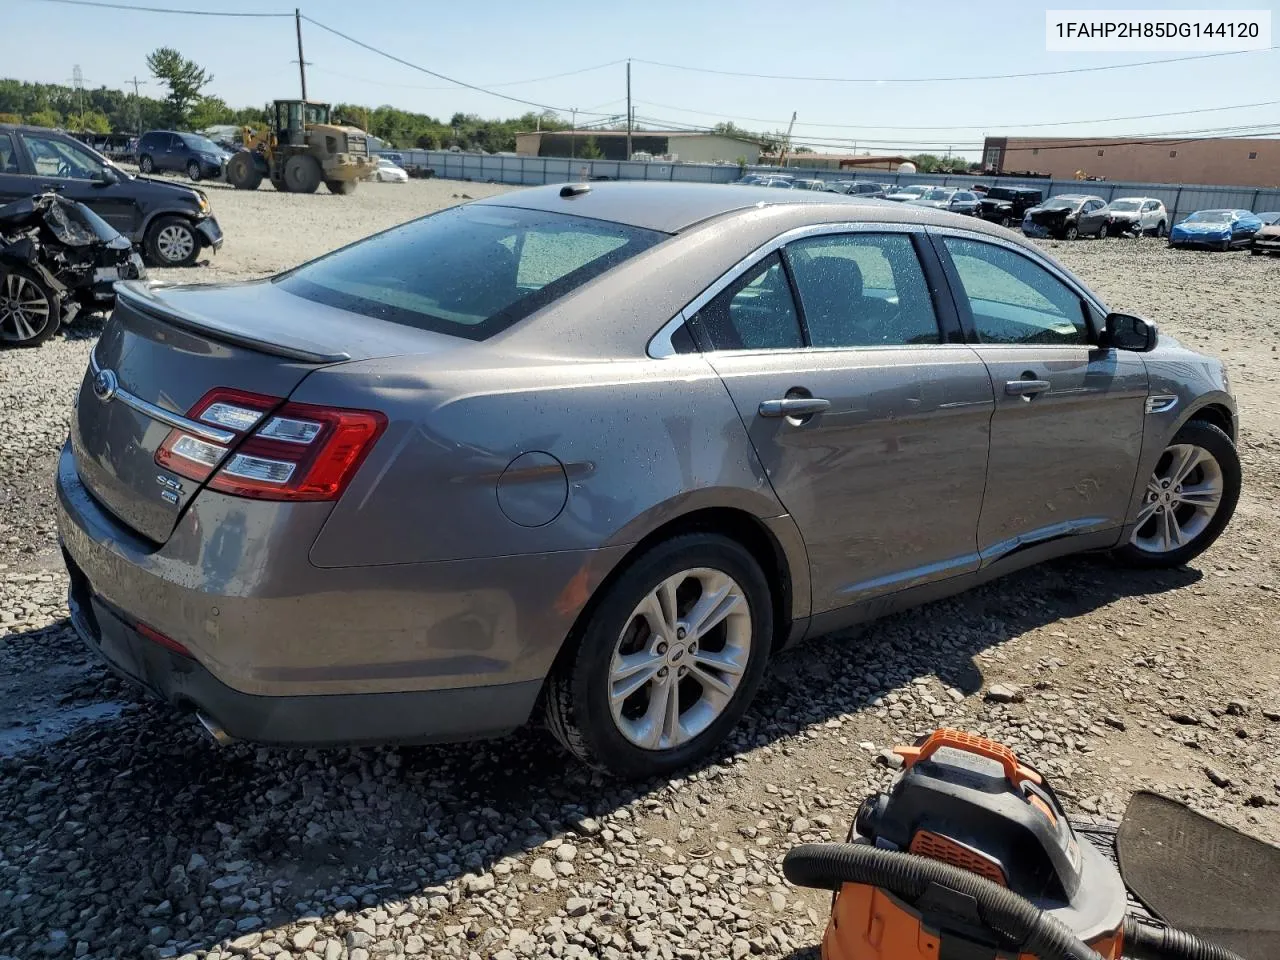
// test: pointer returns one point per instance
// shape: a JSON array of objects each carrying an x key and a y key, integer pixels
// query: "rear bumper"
[
  {"x": 286, "y": 652},
  {"x": 407, "y": 717}
]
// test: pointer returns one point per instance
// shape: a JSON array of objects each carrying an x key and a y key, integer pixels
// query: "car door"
[
  {"x": 77, "y": 173},
  {"x": 15, "y": 181},
  {"x": 872, "y": 427},
  {"x": 1067, "y": 429},
  {"x": 1092, "y": 216}
]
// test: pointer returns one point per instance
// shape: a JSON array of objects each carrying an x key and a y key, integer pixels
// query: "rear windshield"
[{"x": 469, "y": 271}]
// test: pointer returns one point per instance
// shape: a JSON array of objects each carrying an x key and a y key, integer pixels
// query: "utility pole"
[
  {"x": 786, "y": 146},
  {"x": 302, "y": 64},
  {"x": 137, "y": 97},
  {"x": 628, "y": 108},
  {"x": 573, "y": 134}
]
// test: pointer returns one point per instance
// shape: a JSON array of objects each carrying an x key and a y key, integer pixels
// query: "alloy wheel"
[
  {"x": 680, "y": 658},
  {"x": 175, "y": 243},
  {"x": 1182, "y": 498},
  {"x": 25, "y": 309}
]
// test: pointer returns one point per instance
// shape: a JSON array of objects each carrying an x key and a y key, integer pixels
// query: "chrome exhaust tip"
[{"x": 215, "y": 732}]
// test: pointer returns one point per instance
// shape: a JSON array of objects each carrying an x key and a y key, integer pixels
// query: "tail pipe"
[
  {"x": 214, "y": 730},
  {"x": 828, "y": 865}
]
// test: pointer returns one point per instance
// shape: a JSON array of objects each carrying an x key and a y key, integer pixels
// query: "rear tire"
[
  {"x": 242, "y": 172},
  {"x": 302, "y": 174},
  {"x": 30, "y": 310},
  {"x": 604, "y": 727},
  {"x": 1214, "y": 478},
  {"x": 1006, "y": 222},
  {"x": 341, "y": 187},
  {"x": 172, "y": 242},
  {"x": 1103, "y": 232}
]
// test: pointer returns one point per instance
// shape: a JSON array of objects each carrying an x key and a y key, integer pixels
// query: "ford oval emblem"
[{"x": 105, "y": 385}]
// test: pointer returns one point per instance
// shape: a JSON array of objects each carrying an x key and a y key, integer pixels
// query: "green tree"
[
  {"x": 184, "y": 78},
  {"x": 10, "y": 118},
  {"x": 91, "y": 121},
  {"x": 210, "y": 112},
  {"x": 589, "y": 149},
  {"x": 45, "y": 118}
]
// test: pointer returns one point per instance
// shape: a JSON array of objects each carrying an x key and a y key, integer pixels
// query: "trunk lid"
[{"x": 166, "y": 348}]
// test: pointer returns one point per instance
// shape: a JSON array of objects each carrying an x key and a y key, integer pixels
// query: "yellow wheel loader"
[{"x": 300, "y": 150}]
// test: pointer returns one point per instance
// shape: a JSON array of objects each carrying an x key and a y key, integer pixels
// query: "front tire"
[
  {"x": 1226, "y": 245},
  {"x": 341, "y": 187},
  {"x": 1189, "y": 499},
  {"x": 30, "y": 311},
  {"x": 1071, "y": 233},
  {"x": 146, "y": 164},
  {"x": 1006, "y": 222},
  {"x": 667, "y": 660},
  {"x": 193, "y": 171},
  {"x": 172, "y": 242},
  {"x": 302, "y": 174},
  {"x": 242, "y": 172}
]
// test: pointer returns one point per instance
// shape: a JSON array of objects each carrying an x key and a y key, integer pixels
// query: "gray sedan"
[{"x": 594, "y": 452}]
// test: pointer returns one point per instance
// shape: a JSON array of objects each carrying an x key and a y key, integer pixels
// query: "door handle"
[
  {"x": 1026, "y": 388},
  {"x": 793, "y": 407}
]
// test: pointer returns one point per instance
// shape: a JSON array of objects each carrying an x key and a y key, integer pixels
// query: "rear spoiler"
[{"x": 142, "y": 298}]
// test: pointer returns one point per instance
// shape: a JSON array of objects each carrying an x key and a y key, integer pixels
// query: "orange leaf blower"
[{"x": 970, "y": 856}]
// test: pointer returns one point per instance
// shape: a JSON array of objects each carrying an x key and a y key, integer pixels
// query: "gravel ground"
[{"x": 124, "y": 834}]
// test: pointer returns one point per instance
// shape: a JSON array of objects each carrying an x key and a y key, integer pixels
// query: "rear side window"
[
  {"x": 470, "y": 271},
  {"x": 8, "y": 155},
  {"x": 756, "y": 312},
  {"x": 862, "y": 290}
]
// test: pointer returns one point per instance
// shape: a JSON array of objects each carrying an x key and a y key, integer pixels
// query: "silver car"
[{"x": 595, "y": 452}]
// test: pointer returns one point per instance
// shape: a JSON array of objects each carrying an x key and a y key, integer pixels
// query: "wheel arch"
[
  {"x": 1216, "y": 413},
  {"x": 787, "y": 574}
]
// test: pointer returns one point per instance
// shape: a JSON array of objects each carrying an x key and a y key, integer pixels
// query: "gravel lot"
[{"x": 124, "y": 834}]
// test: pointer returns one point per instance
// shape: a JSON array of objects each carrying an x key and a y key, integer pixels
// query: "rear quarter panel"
[{"x": 635, "y": 443}]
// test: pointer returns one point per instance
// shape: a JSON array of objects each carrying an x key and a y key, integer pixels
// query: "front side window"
[
  {"x": 862, "y": 290},
  {"x": 756, "y": 312},
  {"x": 1014, "y": 300},
  {"x": 469, "y": 271},
  {"x": 8, "y": 155},
  {"x": 58, "y": 158}
]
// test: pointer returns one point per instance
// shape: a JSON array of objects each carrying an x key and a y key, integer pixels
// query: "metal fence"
[{"x": 1180, "y": 199}]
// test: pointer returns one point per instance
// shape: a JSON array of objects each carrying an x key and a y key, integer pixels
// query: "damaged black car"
[{"x": 57, "y": 258}]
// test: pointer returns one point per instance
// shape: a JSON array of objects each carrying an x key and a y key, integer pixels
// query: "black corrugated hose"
[
  {"x": 828, "y": 865},
  {"x": 1151, "y": 943}
]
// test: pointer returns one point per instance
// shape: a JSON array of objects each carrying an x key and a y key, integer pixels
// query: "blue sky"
[{"x": 498, "y": 41}]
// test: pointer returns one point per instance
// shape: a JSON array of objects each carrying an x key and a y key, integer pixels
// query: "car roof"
[
  {"x": 675, "y": 207},
  {"x": 666, "y": 207}
]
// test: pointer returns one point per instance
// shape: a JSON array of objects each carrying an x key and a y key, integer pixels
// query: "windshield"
[
  {"x": 1210, "y": 216},
  {"x": 912, "y": 191},
  {"x": 469, "y": 271},
  {"x": 202, "y": 144},
  {"x": 1061, "y": 203},
  {"x": 1270, "y": 217},
  {"x": 1125, "y": 205},
  {"x": 937, "y": 195}
]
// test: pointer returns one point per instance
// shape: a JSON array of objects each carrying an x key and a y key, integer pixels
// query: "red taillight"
[
  {"x": 302, "y": 452},
  {"x": 298, "y": 451},
  {"x": 233, "y": 411},
  {"x": 155, "y": 636}
]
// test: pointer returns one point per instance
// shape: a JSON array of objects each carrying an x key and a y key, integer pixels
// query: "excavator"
[{"x": 300, "y": 149}]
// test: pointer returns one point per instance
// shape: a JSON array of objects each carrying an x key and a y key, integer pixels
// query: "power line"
[
  {"x": 993, "y": 76},
  {"x": 191, "y": 13},
  {"x": 431, "y": 73},
  {"x": 1168, "y": 139},
  {"x": 981, "y": 126},
  {"x": 505, "y": 83}
]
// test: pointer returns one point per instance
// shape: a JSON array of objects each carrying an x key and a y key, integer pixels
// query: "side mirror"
[
  {"x": 108, "y": 176},
  {"x": 1125, "y": 332}
]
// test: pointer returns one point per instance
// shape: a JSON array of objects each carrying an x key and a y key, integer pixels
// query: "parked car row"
[{"x": 1070, "y": 216}]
